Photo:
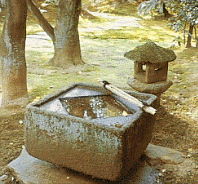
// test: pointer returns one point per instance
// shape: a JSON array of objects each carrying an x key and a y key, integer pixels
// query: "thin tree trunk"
[
  {"x": 42, "y": 21},
  {"x": 184, "y": 33},
  {"x": 13, "y": 65},
  {"x": 189, "y": 36},
  {"x": 196, "y": 37},
  {"x": 67, "y": 44}
]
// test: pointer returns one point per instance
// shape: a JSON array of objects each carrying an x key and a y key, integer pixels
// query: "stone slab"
[
  {"x": 166, "y": 155},
  {"x": 29, "y": 170}
]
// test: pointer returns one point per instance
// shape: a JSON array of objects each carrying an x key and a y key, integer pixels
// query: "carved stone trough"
[{"x": 104, "y": 147}]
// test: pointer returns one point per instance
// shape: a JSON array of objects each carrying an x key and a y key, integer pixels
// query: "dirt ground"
[{"x": 176, "y": 120}]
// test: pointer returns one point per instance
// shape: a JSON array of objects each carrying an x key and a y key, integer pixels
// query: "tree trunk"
[
  {"x": 42, "y": 21},
  {"x": 165, "y": 11},
  {"x": 65, "y": 35},
  {"x": 189, "y": 36},
  {"x": 13, "y": 65},
  {"x": 67, "y": 44}
]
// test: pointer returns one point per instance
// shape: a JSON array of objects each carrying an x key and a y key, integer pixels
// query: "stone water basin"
[{"x": 103, "y": 139}]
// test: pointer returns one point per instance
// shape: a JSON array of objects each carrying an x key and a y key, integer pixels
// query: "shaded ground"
[{"x": 103, "y": 49}]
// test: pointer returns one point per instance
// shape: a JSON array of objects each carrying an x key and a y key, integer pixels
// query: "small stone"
[
  {"x": 158, "y": 181},
  {"x": 163, "y": 170},
  {"x": 43, "y": 11},
  {"x": 118, "y": 125},
  {"x": 44, "y": 4},
  {"x": 3, "y": 177},
  {"x": 189, "y": 155},
  {"x": 64, "y": 73},
  {"x": 160, "y": 174},
  {"x": 190, "y": 150},
  {"x": 20, "y": 122},
  {"x": 170, "y": 181}
]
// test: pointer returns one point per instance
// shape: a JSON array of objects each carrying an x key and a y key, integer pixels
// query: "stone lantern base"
[{"x": 156, "y": 88}]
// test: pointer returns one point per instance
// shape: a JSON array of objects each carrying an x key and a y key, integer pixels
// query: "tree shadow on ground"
[
  {"x": 188, "y": 53},
  {"x": 170, "y": 131}
]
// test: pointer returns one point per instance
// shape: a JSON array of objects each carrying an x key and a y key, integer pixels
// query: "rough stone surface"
[
  {"x": 150, "y": 52},
  {"x": 53, "y": 135},
  {"x": 153, "y": 88},
  {"x": 166, "y": 155},
  {"x": 152, "y": 72},
  {"x": 29, "y": 170}
]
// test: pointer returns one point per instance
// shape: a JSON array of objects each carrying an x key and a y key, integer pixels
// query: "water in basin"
[{"x": 93, "y": 107}]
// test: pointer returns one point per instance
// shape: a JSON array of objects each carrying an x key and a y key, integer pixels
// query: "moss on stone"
[{"x": 150, "y": 52}]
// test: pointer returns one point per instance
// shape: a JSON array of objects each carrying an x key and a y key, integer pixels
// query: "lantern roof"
[{"x": 152, "y": 53}]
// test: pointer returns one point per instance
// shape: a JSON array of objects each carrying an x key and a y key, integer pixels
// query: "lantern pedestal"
[{"x": 156, "y": 88}]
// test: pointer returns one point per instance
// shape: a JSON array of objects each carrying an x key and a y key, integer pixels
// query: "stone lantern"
[{"x": 150, "y": 68}]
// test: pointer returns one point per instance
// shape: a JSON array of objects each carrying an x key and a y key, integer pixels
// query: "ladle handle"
[{"x": 127, "y": 97}]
